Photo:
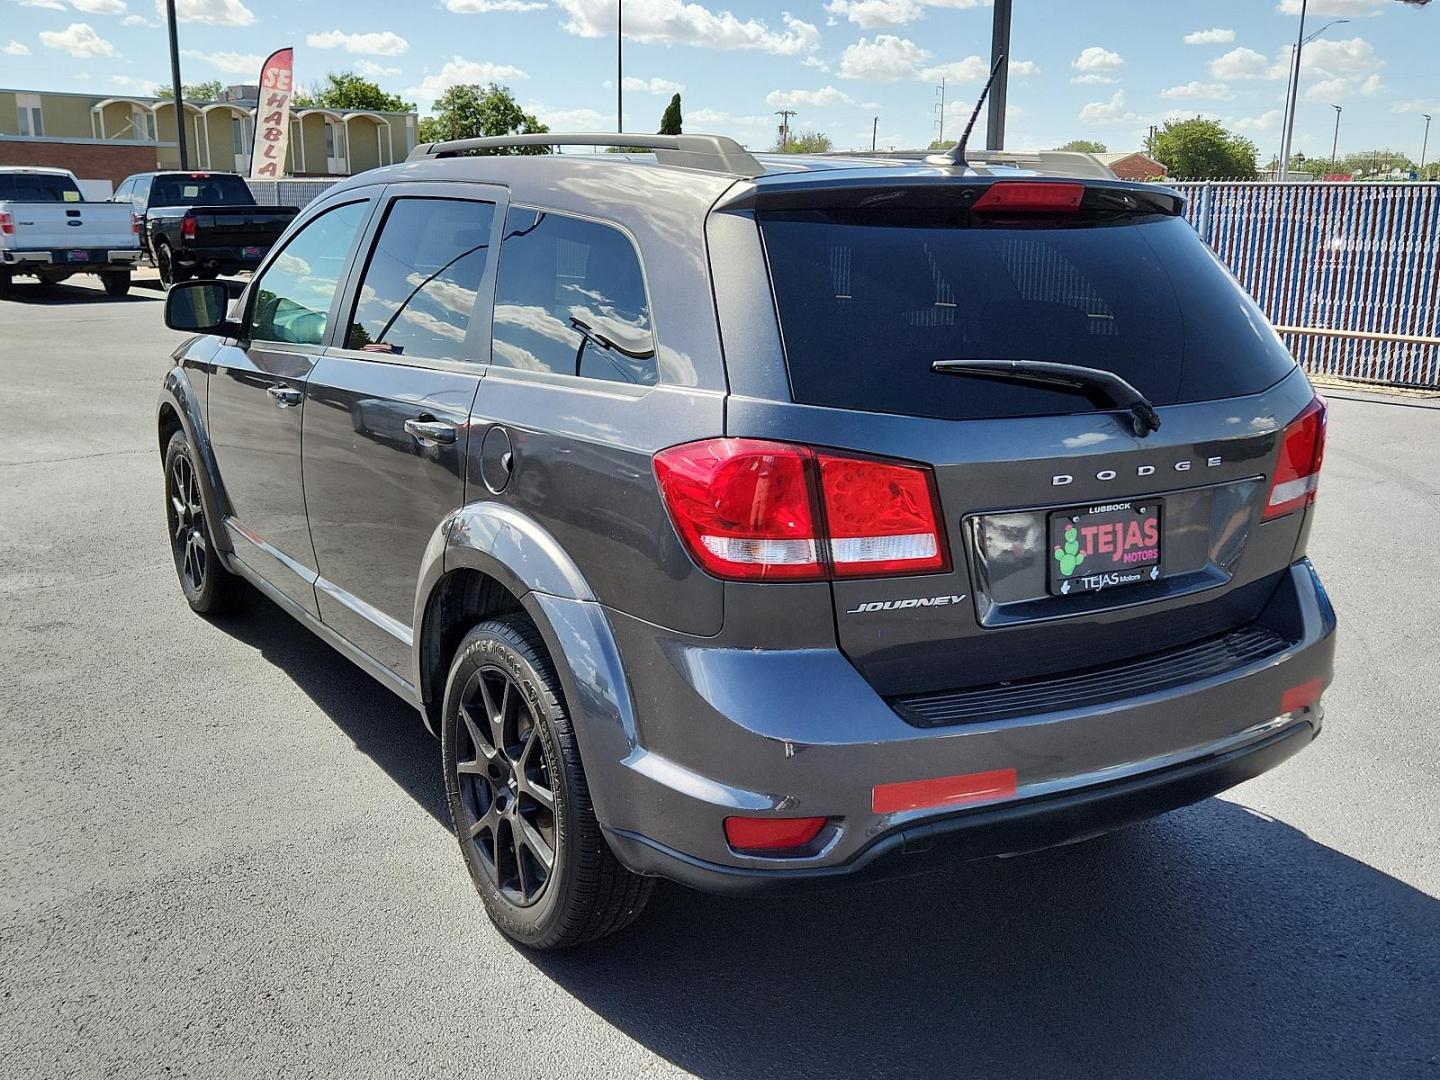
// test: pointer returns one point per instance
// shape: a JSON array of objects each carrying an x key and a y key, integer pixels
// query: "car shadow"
[
  {"x": 1212, "y": 942},
  {"x": 63, "y": 294}
]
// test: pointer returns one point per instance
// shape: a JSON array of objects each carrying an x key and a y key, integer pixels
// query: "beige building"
[{"x": 112, "y": 137}]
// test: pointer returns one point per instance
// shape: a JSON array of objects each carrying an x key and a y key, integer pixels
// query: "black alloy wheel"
[
  {"x": 507, "y": 786},
  {"x": 186, "y": 511}
]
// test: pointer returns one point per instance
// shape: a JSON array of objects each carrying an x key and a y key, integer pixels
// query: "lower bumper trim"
[{"x": 1031, "y": 825}]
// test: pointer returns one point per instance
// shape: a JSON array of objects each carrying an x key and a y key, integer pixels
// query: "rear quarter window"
[{"x": 868, "y": 300}]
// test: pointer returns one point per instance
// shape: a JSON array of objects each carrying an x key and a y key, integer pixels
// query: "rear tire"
[
  {"x": 516, "y": 789},
  {"x": 209, "y": 588},
  {"x": 170, "y": 274},
  {"x": 116, "y": 282}
]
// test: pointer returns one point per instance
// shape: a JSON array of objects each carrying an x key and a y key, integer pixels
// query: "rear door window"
[
  {"x": 869, "y": 299},
  {"x": 424, "y": 273},
  {"x": 570, "y": 298},
  {"x": 201, "y": 189}
]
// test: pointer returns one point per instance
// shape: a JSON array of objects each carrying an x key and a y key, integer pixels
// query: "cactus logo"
[{"x": 1069, "y": 555}]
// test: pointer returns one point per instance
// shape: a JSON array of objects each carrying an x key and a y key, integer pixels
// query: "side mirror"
[{"x": 199, "y": 307}]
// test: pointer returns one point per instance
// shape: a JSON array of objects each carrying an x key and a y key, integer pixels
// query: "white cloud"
[
  {"x": 53, "y": 5},
  {"x": 1351, "y": 8},
  {"x": 134, "y": 85},
  {"x": 650, "y": 86},
  {"x": 1098, "y": 60},
  {"x": 1416, "y": 105},
  {"x": 99, "y": 7},
  {"x": 668, "y": 22},
  {"x": 889, "y": 58},
  {"x": 815, "y": 62},
  {"x": 1241, "y": 63},
  {"x": 869, "y": 14},
  {"x": 1093, "y": 78},
  {"x": 1266, "y": 121},
  {"x": 481, "y": 7},
  {"x": 583, "y": 119},
  {"x": 716, "y": 118},
  {"x": 1332, "y": 59},
  {"x": 15, "y": 48},
  {"x": 1199, "y": 90},
  {"x": 210, "y": 12},
  {"x": 1113, "y": 111},
  {"x": 457, "y": 71},
  {"x": 139, "y": 20},
  {"x": 372, "y": 70},
  {"x": 1215, "y": 36},
  {"x": 79, "y": 40},
  {"x": 825, "y": 96},
  {"x": 231, "y": 63},
  {"x": 382, "y": 43}
]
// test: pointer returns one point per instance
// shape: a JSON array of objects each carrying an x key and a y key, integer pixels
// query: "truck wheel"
[
  {"x": 116, "y": 282},
  {"x": 170, "y": 274},
  {"x": 518, "y": 797}
]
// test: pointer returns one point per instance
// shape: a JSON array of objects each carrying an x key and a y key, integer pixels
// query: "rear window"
[
  {"x": 37, "y": 187},
  {"x": 184, "y": 189},
  {"x": 869, "y": 299}
]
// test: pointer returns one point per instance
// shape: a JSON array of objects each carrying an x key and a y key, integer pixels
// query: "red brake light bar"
[{"x": 1029, "y": 197}]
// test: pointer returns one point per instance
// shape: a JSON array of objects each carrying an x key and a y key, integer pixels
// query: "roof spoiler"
[{"x": 707, "y": 153}]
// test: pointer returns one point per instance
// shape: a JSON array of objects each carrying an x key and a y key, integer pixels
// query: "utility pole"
[
  {"x": 785, "y": 115},
  {"x": 999, "y": 47},
  {"x": 179, "y": 90},
  {"x": 1335, "y": 146},
  {"x": 875, "y": 130},
  {"x": 1424, "y": 146},
  {"x": 1293, "y": 95},
  {"x": 941, "y": 91},
  {"x": 619, "y": 65}
]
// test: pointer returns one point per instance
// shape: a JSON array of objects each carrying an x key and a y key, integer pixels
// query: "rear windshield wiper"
[{"x": 1118, "y": 393}]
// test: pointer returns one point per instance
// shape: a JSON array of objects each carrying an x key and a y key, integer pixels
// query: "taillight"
[
  {"x": 1029, "y": 197},
  {"x": 771, "y": 835},
  {"x": 7, "y": 224},
  {"x": 187, "y": 228},
  {"x": 1297, "y": 473},
  {"x": 134, "y": 223},
  {"x": 750, "y": 510}
]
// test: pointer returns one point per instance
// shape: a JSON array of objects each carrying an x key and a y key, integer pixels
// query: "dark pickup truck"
[{"x": 201, "y": 224}]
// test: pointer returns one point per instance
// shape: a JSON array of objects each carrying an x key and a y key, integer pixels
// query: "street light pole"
[
  {"x": 874, "y": 131},
  {"x": 179, "y": 90},
  {"x": 619, "y": 65},
  {"x": 1293, "y": 96},
  {"x": 1424, "y": 146},
  {"x": 1335, "y": 146},
  {"x": 999, "y": 50}
]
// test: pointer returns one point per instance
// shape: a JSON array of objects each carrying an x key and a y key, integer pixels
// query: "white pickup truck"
[{"x": 48, "y": 231}]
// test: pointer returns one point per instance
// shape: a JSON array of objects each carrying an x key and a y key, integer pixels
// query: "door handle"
[
  {"x": 431, "y": 430},
  {"x": 285, "y": 397}
]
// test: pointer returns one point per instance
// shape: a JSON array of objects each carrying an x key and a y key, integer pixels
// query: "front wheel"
[
  {"x": 518, "y": 797},
  {"x": 116, "y": 282},
  {"x": 209, "y": 588}
]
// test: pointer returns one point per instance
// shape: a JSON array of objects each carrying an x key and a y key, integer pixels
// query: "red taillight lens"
[
  {"x": 1029, "y": 197},
  {"x": 1304, "y": 696},
  {"x": 7, "y": 224},
  {"x": 743, "y": 507},
  {"x": 749, "y": 510},
  {"x": 880, "y": 517},
  {"x": 1297, "y": 473},
  {"x": 135, "y": 223},
  {"x": 187, "y": 228},
  {"x": 771, "y": 834}
]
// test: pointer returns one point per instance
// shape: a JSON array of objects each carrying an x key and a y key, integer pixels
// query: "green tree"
[
  {"x": 941, "y": 145},
  {"x": 469, "y": 111},
  {"x": 200, "y": 91},
  {"x": 1201, "y": 149},
  {"x": 1085, "y": 146},
  {"x": 346, "y": 90},
  {"x": 805, "y": 142},
  {"x": 670, "y": 123}
]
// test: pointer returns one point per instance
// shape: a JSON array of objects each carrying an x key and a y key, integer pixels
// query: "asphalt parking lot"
[{"x": 223, "y": 849}]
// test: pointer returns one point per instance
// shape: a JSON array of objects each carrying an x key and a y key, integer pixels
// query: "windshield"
[
  {"x": 869, "y": 299},
  {"x": 200, "y": 189},
  {"x": 38, "y": 187}
]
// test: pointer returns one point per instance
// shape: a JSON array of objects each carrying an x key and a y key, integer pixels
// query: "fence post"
[{"x": 1202, "y": 218}]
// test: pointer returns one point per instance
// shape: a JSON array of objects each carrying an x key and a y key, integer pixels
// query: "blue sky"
[{"x": 1104, "y": 69}]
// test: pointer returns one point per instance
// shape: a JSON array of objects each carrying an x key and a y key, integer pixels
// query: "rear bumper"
[
  {"x": 1008, "y": 829},
  {"x": 109, "y": 259},
  {"x": 715, "y": 730},
  {"x": 222, "y": 258}
]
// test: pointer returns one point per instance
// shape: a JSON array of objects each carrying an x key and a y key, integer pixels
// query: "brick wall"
[{"x": 88, "y": 161}]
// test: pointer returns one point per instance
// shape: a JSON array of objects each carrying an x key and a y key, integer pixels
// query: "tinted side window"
[
  {"x": 293, "y": 295},
  {"x": 122, "y": 193},
  {"x": 142, "y": 192},
  {"x": 570, "y": 298},
  {"x": 424, "y": 272}
]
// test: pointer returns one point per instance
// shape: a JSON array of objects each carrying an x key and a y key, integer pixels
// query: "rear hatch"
[{"x": 1076, "y": 539}]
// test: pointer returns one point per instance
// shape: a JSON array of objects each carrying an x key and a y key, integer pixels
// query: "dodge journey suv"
[{"x": 760, "y": 523}]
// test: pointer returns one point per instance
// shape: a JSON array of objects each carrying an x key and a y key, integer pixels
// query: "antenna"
[{"x": 957, "y": 155}]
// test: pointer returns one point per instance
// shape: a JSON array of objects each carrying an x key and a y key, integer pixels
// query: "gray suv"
[{"x": 764, "y": 523}]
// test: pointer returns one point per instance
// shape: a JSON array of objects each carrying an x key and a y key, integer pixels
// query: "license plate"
[
  {"x": 78, "y": 256},
  {"x": 250, "y": 252},
  {"x": 1103, "y": 546}
]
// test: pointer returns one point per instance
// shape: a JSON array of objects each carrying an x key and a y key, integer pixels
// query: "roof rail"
[{"x": 709, "y": 153}]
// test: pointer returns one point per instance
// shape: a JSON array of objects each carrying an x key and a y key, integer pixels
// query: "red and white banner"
[{"x": 272, "y": 116}]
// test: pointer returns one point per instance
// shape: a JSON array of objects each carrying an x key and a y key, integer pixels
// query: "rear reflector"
[
  {"x": 1029, "y": 197},
  {"x": 943, "y": 791},
  {"x": 1304, "y": 696},
  {"x": 752, "y": 510},
  {"x": 1297, "y": 472},
  {"x": 771, "y": 834}
]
